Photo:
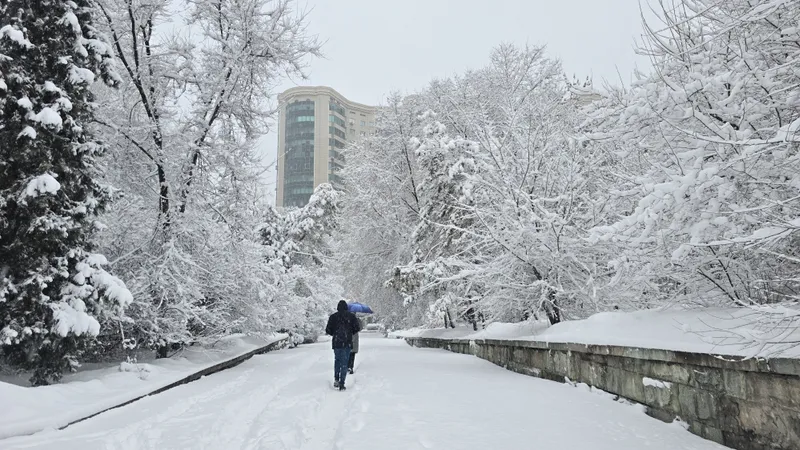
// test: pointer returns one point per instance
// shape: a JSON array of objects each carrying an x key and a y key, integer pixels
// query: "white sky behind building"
[{"x": 373, "y": 47}]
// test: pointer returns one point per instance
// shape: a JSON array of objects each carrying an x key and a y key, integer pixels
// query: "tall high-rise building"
[{"x": 316, "y": 123}]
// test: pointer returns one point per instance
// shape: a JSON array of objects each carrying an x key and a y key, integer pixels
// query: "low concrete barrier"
[{"x": 746, "y": 404}]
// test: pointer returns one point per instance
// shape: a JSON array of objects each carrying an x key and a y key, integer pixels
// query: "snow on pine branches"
[{"x": 54, "y": 291}]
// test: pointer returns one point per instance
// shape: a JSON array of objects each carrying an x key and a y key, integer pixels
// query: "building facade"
[{"x": 315, "y": 125}]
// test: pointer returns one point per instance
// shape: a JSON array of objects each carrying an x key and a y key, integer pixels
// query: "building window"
[
  {"x": 336, "y": 132},
  {"x": 335, "y": 155},
  {"x": 336, "y": 107},
  {"x": 305, "y": 105},
  {"x": 298, "y": 181},
  {"x": 336, "y": 120},
  {"x": 363, "y": 123}
]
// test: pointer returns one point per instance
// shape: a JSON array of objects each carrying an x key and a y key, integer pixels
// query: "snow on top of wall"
[{"x": 726, "y": 331}]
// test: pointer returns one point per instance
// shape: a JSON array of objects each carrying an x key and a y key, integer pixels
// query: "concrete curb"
[{"x": 233, "y": 362}]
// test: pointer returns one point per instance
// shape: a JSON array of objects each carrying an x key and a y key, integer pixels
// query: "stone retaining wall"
[{"x": 746, "y": 404}]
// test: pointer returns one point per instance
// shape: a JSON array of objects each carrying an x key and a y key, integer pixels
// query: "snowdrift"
[
  {"x": 726, "y": 331},
  {"x": 27, "y": 410}
]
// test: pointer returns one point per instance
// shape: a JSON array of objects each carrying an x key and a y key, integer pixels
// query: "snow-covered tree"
[
  {"x": 518, "y": 200},
  {"x": 194, "y": 98},
  {"x": 708, "y": 197},
  {"x": 714, "y": 129},
  {"x": 444, "y": 223},
  {"x": 492, "y": 222},
  {"x": 54, "y": 291},
  {"x": 297, "y": 248},
  {"x": 193, "y": 95},
  {"x": 299, "y": 235},
  {"x": 528, "y": 189},
  {"x": 380, "y": 208}
]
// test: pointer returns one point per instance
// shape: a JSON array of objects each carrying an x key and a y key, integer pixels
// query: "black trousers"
[{"x": 352, "y": 360}]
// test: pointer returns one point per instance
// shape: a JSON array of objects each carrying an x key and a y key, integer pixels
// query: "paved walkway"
[{"x": 400, "y": 398}]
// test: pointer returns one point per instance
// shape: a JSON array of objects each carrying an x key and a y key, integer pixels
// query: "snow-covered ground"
[
  {"x": 711, "y": 330},
  {"x": 27, "y": 410},
  {"x": 400, "y": 398}
]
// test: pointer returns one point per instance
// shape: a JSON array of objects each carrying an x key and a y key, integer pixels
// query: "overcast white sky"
[{"x": 373, "y": 47}]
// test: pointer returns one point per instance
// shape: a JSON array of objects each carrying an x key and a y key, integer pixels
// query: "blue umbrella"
[{"x": 356, "y": 307}]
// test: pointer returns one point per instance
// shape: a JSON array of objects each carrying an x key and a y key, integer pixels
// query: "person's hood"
[{"x": 342, "y": 306}]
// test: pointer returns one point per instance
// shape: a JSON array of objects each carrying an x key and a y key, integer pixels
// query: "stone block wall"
[{"x": 746, "y": 404}]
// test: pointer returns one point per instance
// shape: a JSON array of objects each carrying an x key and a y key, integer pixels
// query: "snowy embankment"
[
  {"x": 27, "y": 410},
  {"x": 726, "y": 331}
]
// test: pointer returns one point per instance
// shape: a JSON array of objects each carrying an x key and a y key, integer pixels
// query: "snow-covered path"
[{"x": 400, "y": 398}]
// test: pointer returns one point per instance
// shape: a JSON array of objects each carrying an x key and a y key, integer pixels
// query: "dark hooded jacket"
[{"x": 342, "y": 325}]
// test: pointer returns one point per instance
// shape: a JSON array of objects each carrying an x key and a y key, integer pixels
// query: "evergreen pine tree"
[{"x": 53, "y": 291}]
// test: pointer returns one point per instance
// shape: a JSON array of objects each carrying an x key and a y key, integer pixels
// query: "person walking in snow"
[
  {"x": 351, "y": 364},
  {"x": 342, "y": 325}
]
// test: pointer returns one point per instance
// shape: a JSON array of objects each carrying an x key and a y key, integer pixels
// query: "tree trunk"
[
  {"x": 552, "y": 309},
  {"x": 469, "y": 315},
  {"x": 161, "y": 351},
  {"x": 448, "y": 319},
  {"x": 163, "y": 199}
]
